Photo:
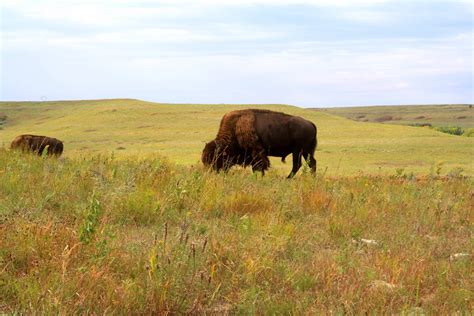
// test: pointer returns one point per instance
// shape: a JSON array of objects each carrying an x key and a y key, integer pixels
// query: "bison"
[
  {"x": 37, "y": 144},
  {"x": 248, "y": 137}
]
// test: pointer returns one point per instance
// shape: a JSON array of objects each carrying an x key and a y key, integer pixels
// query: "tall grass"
[{"x": 105, "y": 235}]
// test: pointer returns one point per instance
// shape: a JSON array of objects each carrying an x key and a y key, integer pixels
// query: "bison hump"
[{"x": 245, "y": 131}]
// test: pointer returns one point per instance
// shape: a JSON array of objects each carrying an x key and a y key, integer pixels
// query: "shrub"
[
  {"x": 453, "y": 130},
  {"x": 469, "y": 132},
  {"x": 91, "y": 221}
]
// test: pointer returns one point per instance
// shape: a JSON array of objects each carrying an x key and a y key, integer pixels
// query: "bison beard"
[
  {"x": 248, "y": 137},
  {"x": 37, "y": 144}
]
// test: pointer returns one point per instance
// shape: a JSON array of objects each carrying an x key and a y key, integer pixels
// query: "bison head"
[{"x": 217, "y": 156}]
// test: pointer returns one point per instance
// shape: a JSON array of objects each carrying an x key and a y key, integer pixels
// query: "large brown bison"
[
  {"x": 248, "y": 137},
  {"x": 37, "y": 144}
]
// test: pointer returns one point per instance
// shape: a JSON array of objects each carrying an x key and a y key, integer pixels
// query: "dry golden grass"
[{"x": 102, "y": 235}]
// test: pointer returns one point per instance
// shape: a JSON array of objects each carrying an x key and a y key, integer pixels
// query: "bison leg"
[
  {"x": 296, "y": 164},
  {"x": 51, "y": 150},
  {"x": 260, "y": 162},
  {"x": 311, "y": 163},
  {"x": 55, "y": 150},
  {"x": 258, "y": 168}
]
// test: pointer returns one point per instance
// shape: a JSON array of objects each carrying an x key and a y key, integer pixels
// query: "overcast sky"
[{"x": 307, "y": 53}]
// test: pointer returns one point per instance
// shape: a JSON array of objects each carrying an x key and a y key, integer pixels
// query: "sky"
[{"x": 319, "y": 53}]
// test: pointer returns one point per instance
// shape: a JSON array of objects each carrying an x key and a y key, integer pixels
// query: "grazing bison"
[
  {"x": 37, "y": 144},
  {"x": 248, "y": 137}
]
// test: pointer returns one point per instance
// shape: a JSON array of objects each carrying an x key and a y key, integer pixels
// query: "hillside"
[
  {"x": 461, "y": 115},
  {"x": 179, "y": 132},
  {"x": 129, "y": 222}
]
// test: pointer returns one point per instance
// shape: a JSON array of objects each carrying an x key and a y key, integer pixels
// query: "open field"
[
  {"x": 461, "y": 115},
  {"x": 95, "y": 234},
  {"x": 127, "y": 221},
  {"x": 133, "y": 127}
]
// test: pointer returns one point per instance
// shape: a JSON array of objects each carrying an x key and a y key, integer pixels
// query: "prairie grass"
[
  {"x": 140, "y": 129},
  {"x": 132, "y": 235}
]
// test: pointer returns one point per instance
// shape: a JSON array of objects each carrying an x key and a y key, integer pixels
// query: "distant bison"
[
  {"x": 37, "y": 144},
  {"x": 248, "y": 137}
]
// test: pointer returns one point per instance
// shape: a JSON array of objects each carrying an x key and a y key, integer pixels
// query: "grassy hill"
[
  {"x": 147, "y": 230},
  {"x": 132, "y": 127},
  {"x": 461, "y": 115}
]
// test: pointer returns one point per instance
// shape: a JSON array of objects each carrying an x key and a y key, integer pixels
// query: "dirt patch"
[
  {"x": 90, "y": 130},
  {"x": 360, "y": 116},
  {"x": 120, "y": 148},
  {"x": 144, "y": 126},
  {"x": 384, "y": 118},
  {"x": 421, "y": 117},
  {"x": 459, "y": 117}
]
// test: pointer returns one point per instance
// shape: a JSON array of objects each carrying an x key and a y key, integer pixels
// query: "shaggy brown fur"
[
  {"x": 248, "y": 137},
  {"x": 37, "y": 144}
]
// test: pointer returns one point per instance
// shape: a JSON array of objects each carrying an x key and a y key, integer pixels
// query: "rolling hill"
[
  {"x": 134, "y": 232},
  {"x": 461, "y": 115},
  {"x": 179, "y": 131}
]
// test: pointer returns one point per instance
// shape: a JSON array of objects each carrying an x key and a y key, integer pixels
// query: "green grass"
[
  {"x": 384, "y": 228},
  {"x": 179, "y": 132},
  {"x": 96, "y": 234},
  {"x": 447, "y": 115}
]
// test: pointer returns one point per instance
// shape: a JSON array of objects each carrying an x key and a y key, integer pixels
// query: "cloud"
[
  {"x": 305, "y": 74},
  {"x": 137, "y": 41},
  {"x": 122, "y": 12},
  {"x": 366, "y": 16},
  {"x": 92, "y": 13},
  {"x": 302, "y": 52}
]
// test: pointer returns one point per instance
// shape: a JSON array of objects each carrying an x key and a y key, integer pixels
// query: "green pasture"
[{"x": 179, "y": 131}]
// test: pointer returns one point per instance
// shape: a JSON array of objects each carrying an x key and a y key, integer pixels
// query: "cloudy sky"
[{"x": 307, "y": 53}]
